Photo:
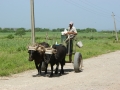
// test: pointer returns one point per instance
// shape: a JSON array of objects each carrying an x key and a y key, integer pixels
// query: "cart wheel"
[
  {"x": 43, "y": 66},
  {"x": 77, "y": 62}
]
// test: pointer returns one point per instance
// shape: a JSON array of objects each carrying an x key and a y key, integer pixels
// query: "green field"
[{"x": 14, "y": 56}]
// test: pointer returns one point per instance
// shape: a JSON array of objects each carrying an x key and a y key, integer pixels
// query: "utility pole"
[
  {"x": 32, "y": 22},
  {"x": 115, "y": 25}
]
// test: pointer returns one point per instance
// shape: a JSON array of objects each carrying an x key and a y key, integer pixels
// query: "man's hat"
[{"x": 71, "y": 23}]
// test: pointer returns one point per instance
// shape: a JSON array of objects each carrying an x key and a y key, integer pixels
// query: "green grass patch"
[{"x": 14, "y": 55}]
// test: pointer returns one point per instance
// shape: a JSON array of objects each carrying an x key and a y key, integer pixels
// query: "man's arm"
[{"x": 74, "y": 32}]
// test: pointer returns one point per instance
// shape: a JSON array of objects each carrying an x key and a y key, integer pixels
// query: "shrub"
[
  {"x": 10, "y": 36},
  {"x": 91, "y": 37}
]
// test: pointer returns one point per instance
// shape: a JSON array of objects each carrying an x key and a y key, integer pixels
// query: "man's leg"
[
  {"x": 68, "y": 45},
  {"x": 70, "y": 58},
  {"x": 71, "y": 50}
]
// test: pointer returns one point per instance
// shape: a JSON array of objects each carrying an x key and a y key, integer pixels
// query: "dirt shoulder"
[{"x": 99, "y": 73}]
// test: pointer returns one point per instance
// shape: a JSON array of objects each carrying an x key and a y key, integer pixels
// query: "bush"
[
  {"x": 91, "y": 37},
  {"x": 10, "y": 36}
]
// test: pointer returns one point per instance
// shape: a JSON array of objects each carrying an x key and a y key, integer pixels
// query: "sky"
[{"x": 58, "y": 13}]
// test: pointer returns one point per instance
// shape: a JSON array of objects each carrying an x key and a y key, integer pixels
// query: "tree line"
[
  {"x": 21, "y": 31},
  {"x": 44, "y": 30}
]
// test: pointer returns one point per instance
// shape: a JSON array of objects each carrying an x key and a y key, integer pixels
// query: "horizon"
[{"x": 57, "y": 14}]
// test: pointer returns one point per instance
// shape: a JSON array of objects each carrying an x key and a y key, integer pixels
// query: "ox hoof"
[
  {"x": 60, "y": 74},
  {"x": 56, "y": 72},
  {"x": 51, "y": 75}
]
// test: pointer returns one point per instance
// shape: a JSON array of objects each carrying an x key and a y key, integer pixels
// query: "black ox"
[
  {"x": 56, "y": 58},
  {"x": 38, "y": 56}
]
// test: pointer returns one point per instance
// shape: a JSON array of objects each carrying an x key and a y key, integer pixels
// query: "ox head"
[
  {"x": 35, "y": 50},
  {"x": 49, "y": 54},
  {"x": 31, "y": 52},
  {"x": 40, "y": 49}
]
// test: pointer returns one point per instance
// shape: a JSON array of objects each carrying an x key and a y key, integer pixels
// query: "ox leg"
[
  {"x": 46, "y": 66},
  {"x": 37, "y": 67},
  {"x": 40, "y": 68},
  {"x": 51, "y": 74},
  {"x": 61, "y": 71},
  {"x": 56, "y": 70}
]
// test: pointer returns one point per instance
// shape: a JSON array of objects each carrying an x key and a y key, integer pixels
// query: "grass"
[{"x": 14, "y": 56}]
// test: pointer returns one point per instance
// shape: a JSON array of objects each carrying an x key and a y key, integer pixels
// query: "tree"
[
  {"x": 20, "y": 32},
  {"x": 0, "y": 29},
  {"x": 37, "y": 29},
  {"x": 60, "y": 29},
  {"x": 54, "y": 30},
  {"x": 5, "y": 30}
]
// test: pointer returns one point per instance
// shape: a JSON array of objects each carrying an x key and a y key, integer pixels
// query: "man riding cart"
[{"x": 70, "y": 35}]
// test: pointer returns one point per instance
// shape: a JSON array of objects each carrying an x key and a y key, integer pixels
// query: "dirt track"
[{"x": 99, "y": 73}]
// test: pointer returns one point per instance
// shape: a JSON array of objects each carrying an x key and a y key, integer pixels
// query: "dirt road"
[{"x": 99, "y": 73}]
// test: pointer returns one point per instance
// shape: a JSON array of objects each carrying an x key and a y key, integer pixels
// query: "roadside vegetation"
[{"x": 14, "y": 43}]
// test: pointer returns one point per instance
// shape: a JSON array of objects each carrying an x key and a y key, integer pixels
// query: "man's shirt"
[{"x": 73, "y": 29}]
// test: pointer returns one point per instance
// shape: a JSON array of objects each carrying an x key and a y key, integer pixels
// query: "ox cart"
[{"x": 77, "y": 61}]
